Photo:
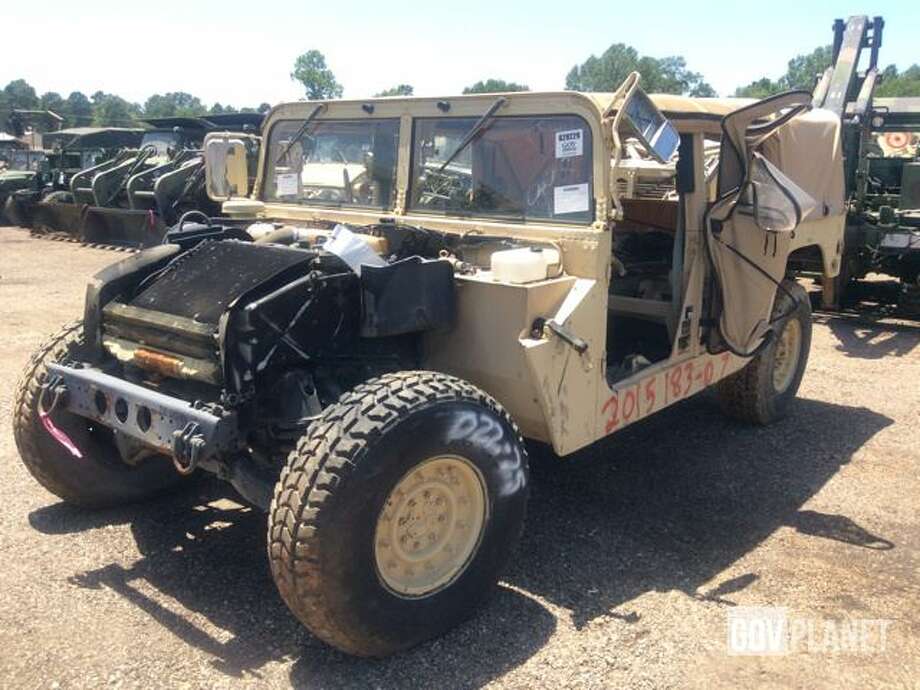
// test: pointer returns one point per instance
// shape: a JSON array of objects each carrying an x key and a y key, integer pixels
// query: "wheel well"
[{"x": 809, "y": 259}]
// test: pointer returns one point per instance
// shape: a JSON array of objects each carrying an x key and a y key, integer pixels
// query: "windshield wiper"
[
  {"x": 474, "y": 131},
  {"x": 303, "y": 128}
]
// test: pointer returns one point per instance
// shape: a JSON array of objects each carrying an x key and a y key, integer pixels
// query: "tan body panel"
[
  {"x": 485, "y": 345},
  {"x": 827, "y": 235},
  {"x": 660, "y": 386}
]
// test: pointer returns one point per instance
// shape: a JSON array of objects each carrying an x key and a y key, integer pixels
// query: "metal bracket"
[
  {"x": 55, "y": 386},
  {"x": 191, "y": 432},
  {"x": 188, "y": 444},
  {"x": 541, "y": 325}
]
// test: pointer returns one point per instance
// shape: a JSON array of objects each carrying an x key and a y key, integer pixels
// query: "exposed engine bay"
[{"x": 273, "y": 324}]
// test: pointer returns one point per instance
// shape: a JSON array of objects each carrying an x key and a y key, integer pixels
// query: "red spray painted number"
[{"x": 678, "y": 382}]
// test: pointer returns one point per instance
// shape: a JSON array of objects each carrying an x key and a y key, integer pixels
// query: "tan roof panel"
[{"x": 673, "y": 105}]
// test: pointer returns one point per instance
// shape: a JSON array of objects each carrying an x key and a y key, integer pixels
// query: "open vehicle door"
[
  {"x": 230, "y": 164},
  {"x": 765, "y": 190}
]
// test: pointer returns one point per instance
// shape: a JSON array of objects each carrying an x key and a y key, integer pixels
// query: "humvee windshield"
[
  {"x": 518, "y": 167},
  {"x": 334, "y": 162},
  {"x": 26, "y": 160},
  {"x": 165, "y": 143},
  {"x": 72, "y": 160}
]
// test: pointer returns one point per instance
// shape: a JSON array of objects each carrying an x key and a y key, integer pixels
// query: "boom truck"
[{"x": 882, "y": 170}]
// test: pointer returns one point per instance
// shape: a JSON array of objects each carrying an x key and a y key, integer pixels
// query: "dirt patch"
[{"x": 636, "y": 551}]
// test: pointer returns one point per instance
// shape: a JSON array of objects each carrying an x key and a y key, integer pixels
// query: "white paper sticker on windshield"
[
  {"x": 571, "y": 198},
  {"x": 569, "y": 143},
  {"x": 286, "y": 184}
]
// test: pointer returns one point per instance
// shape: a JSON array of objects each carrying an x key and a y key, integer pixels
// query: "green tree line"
[
  {"x": 606, "y": 71},
  {"x": 803, "y": 70},
  {"x": 106, "y": 109},
  {"x": 603, "y": 72}
]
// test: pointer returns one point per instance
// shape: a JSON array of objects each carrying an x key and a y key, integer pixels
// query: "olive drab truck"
[
  {"x": 413, "y": 286},
  {"x": 881, "y": 148},
  {"x": 131, "y": 184}
]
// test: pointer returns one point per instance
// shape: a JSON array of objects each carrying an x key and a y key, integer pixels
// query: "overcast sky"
[{"x": 242, "y": 53}]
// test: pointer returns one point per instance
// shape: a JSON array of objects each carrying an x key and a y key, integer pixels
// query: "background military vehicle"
[
  {"x": 47, "y": 204},
  {"x": 22, "y": 156},
  {"x": 363, "y": 359},
  {"x": 883, "y": 234},
  {"x": 882, "y": 180},
  {"x": 21, "y": 172},
  {"x": 122, "y": 187},
  {"x": 133, "y": 199},
  {"x": 119, "y": 195}
]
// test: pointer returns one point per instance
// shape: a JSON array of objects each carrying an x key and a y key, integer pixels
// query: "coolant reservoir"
[
  {"x": 524, "y": 265},
  {"x": 258, "y": 230}
]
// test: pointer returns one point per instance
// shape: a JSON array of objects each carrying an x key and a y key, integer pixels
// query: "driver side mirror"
[{"x": 226, "y": 166}]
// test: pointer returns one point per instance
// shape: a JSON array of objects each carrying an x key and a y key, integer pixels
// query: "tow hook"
[
  {"x": 55, "y": 386},
  {"x": 541, "y": 325},
  {"x": 187, "y": 446}
]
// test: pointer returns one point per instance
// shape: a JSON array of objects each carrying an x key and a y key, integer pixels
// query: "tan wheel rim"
[
  {"x": 786, "y": 356},
  {"x": 430, "y": 526}
]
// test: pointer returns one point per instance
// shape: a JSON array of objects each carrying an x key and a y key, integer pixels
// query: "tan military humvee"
[{"x": 413, "y": 285}]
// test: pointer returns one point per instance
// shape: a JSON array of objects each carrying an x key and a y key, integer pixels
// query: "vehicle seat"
[{"x": 653, "y": 215}]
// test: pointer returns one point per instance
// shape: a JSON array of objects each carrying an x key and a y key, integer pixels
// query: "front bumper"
[{"x": 188, "y": 432}]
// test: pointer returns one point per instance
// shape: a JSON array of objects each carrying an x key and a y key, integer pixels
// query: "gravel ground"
[{"x": 635, "y": 554}]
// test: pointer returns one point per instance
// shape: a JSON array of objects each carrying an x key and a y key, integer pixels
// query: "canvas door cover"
[{"x": 780, "y": 165}]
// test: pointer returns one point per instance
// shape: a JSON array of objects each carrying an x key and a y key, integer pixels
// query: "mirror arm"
[
  {"x": 618, "y": 213},
  {"x": 614, "y": 115}
]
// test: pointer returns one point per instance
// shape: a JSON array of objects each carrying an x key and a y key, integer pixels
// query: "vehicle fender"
[
  {"x": 113, "y": 280},
  {"x": 825, "y": 233},
  {"x": 568, "y": 382}
]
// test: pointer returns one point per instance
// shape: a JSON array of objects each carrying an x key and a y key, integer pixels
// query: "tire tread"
[
  {"x": 319, "y": 467},
  {"x": 741, "y": 395},
  {"x": 55, "y": 349}
]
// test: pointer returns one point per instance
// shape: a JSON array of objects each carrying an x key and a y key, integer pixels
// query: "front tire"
[
  {"x": 98, "y": 479},
  {"x": 763, "y": 390},
  {"x": 12, "y": 213},
  {"x": 397, "y": 511}
]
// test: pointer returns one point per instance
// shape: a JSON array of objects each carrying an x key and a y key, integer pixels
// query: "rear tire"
[
  {"x": 397, "y": 511},
  {"x": 763, "y": 390},
  {"x": 100, "y": 478}
]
